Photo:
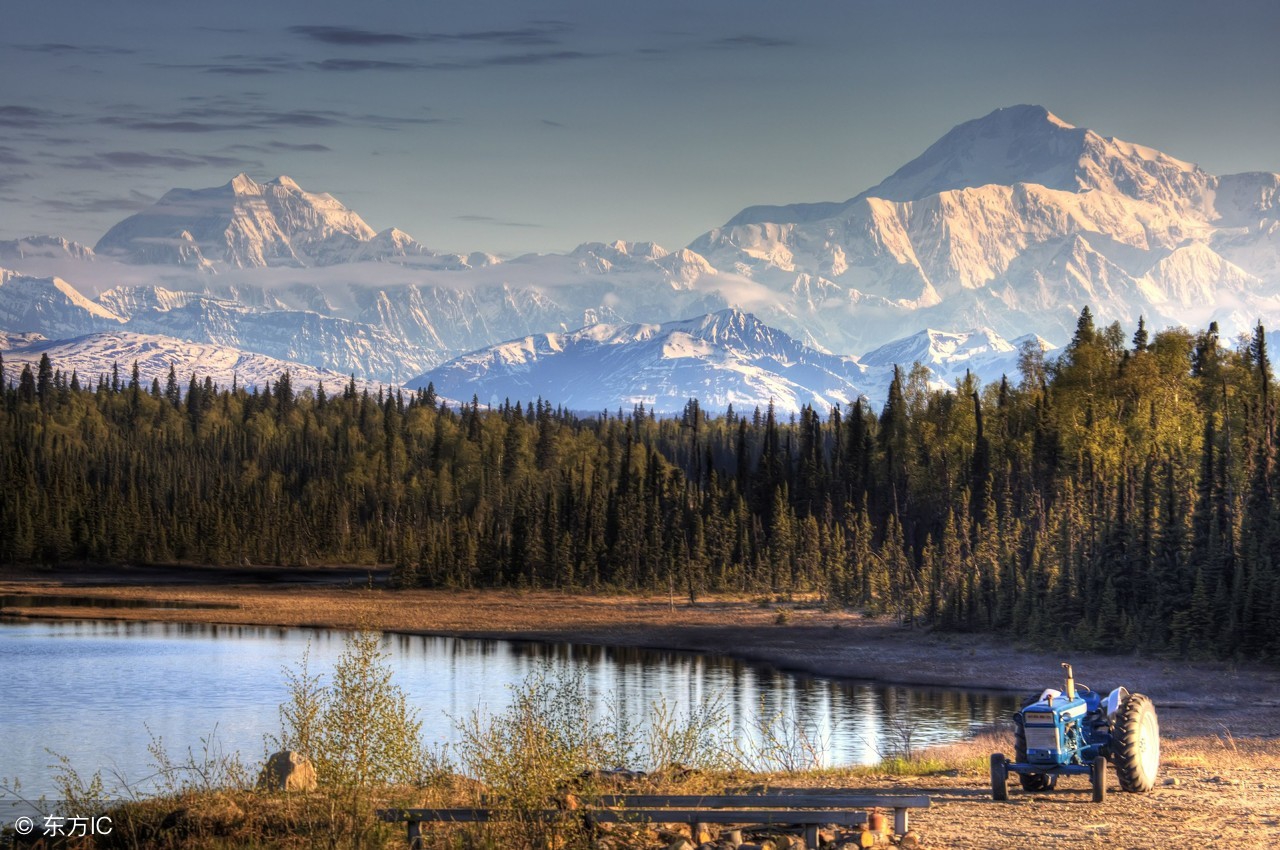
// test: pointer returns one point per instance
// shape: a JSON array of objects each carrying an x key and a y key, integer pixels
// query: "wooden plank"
[
  {"x": 656, "y": 815},
  {"x": 781, "y": 790},
  {"x": 809, "y": 801},
  {"x": 755, "y": 816}
]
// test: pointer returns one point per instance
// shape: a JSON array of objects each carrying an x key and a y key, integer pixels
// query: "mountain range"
[{"x": 1002, "y": 230}]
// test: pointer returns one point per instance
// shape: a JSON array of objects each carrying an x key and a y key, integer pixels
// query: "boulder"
[{"x": 288, "y": 771}]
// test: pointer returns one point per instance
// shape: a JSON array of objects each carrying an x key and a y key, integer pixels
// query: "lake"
[{"x": 99, "y": 692}]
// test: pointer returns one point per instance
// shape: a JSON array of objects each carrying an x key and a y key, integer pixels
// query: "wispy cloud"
[
  {"x": 274, "y": 146},
  {"x": 351, "y": 36},
  {"x": 364, "y": 65},
  {"x": 61, "y": 49},
  {"x": 498, "y": 222},
  {"x": 108, "y": 160},
  {"x": 98, "y": 203},
  {"x": 237, "y": 64},
  {"x": 248, "y": 116},
  {"x": 18, "y": 117},
  {"x": 540, "y": 34},
  {"x": 753, "y": 41},
  {"x": 535, "y": 58},
  {"x": 9, "y": 179},
  {"x": 9, "y": 156}
]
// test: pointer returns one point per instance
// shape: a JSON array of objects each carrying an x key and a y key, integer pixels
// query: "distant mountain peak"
[
  {"x": 1028, "y": 114},
  {"x": 51, "y": 247},
  {"x": 243, "y": 184},
  {"x": 1030, "y": 145},
  {"x": 244, "y": 224},
  {"x": 1015, "y": 144},
  {"x": 722, "y": 358}
]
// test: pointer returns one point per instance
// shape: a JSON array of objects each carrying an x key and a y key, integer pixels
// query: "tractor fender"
[{"x": 1115, "y": 699}]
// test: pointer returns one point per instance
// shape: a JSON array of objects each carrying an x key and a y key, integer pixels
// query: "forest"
[{"x": 1117, "y": 496}]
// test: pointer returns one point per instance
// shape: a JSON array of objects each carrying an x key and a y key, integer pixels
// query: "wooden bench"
[{"x": 808, "y": 808}]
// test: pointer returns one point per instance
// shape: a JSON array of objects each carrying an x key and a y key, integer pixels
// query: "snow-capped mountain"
[
  {"x": 1016, "y": 221},
  {"x": 723, "y": 358},
  {"x": 949, "y": 356},
  {"x": 49, "y": 306},
  {"x": 251, "y": 224},
  {"x": 94, "y": 355},
  {"x": 1010, "y": 223},
  {"x": 47, "y": 247},
  {"x": 367, "y": 351}
]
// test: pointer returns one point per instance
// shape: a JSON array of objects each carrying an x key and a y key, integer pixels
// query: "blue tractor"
[{"x": 1077, "y": 731}]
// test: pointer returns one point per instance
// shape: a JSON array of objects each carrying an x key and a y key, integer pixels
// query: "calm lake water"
[{"x": 99, "y": 692}]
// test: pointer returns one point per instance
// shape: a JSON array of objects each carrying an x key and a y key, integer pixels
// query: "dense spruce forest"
[{"x": 1116, "y": 497}]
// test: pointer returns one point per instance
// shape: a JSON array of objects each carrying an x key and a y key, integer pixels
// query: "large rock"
[{"x": 288, "y": 771}]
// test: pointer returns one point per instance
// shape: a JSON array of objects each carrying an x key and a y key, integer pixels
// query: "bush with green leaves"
[{"x": 358, "y": 729}]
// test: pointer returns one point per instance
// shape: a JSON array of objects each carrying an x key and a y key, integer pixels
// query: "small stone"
[
  {"x": 1173, "y": 781},
  {"x": 680, "y": 843}
]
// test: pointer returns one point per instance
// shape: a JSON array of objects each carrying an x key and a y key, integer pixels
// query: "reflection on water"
[{"x": 99, "y": 691}]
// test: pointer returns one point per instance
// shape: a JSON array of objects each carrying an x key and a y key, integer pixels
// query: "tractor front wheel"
[
  {"x": 1136, "y": 744},
  {"x": 999, "y": 777}
]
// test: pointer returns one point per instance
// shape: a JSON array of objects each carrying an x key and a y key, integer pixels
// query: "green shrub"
[{"x": 358, "y": 730}]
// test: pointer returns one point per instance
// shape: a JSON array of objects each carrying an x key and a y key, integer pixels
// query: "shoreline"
[{"x": 796, "y": 636}]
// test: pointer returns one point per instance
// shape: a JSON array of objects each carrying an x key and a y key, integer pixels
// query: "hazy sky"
[{"x": 516, "y": 126}]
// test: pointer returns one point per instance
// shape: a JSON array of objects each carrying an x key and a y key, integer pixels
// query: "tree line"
[{"x": 1118, "y": 496}]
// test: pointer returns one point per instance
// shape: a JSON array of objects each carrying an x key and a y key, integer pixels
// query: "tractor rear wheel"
[
  {"x": 1028, "y": 781},
  {"x": 1136, "y": 744},
  {"x": 999, "y": 777}
]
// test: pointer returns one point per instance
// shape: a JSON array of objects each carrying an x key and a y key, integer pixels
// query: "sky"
[{"x": 520, "y": 126}]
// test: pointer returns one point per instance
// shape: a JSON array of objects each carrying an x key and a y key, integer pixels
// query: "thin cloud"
[
  {"x": 364, "y": 65},
  {"x": 244, "y": 70},
  {"x": 9, "y": 156},
  {"x": 495, "y": 61},
  {"x": 525, "y": 36},
  {"x": 173, "y": 126},
  {"x": 537, "y": 58},
  {"x": 108, "y": 160},
  {"x": 751, "y": 41},
  {"x": 61, "y": 49},
  {"x": 549, "y": 123},
  {"x": 26, "y": 117},
  {"x": 273, "y": 145},
  {"x": 236, "y": 64},
  {"x": 488, "y": 219},
  {"x": 133, "y": 202},
  {"x": 251, "y": 117},
  {"x": 542, "y": 34},
  {"x": 351, "y": 36}
]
